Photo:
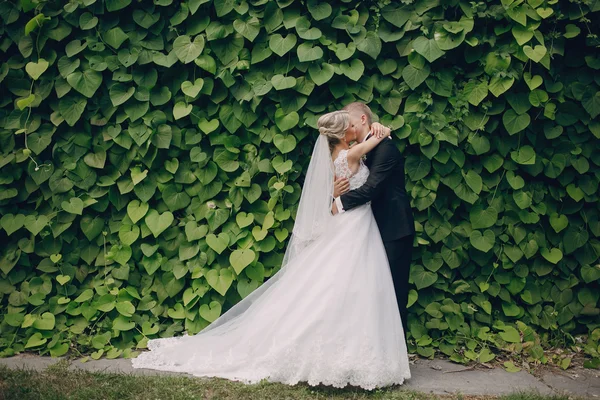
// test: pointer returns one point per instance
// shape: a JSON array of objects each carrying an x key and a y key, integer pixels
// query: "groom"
[{"x": 390, "y": 202}]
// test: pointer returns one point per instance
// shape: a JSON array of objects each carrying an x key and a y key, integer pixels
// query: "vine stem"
[
  {"x": 37, "y": 166},
  {"x": 13, "y": 338},
  {"x": 496, "y": 189},
  {"x": 584, "y": 19},
  {"x": 480, "y": 342},
  {"x": 102, "y": 40}
]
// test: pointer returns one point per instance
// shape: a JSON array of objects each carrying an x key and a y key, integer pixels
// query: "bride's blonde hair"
[{"x": 333, "y": 125}]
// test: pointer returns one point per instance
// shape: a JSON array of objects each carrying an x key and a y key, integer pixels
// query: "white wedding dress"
[{"x": 331, "y": 318}]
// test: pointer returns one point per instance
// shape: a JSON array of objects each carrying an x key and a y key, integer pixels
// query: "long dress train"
[{"x": 331, "y": 318}]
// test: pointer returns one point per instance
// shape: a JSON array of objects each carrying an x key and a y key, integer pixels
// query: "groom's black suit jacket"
[{"x": 386, "y": 191}]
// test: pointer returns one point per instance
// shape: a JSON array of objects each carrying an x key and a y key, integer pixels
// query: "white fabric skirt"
[{"x": 328, "y": 317}]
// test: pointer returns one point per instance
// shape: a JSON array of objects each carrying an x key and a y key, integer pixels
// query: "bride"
[{"x": 329, "y": 316}]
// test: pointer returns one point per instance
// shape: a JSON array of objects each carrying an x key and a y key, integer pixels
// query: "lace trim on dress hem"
[{"x": 331, "y": 364}]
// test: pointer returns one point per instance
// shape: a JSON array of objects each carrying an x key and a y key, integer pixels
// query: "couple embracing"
[{"x": 334, "y": 313}]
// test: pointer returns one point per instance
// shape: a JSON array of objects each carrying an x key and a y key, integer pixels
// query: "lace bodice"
[{"x": 343, "y": 170}]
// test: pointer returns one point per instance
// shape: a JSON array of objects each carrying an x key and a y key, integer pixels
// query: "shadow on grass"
[{"x": 60, "y": 382}]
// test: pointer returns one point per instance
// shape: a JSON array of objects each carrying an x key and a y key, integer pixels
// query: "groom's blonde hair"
[{"x": 361, "y": 108}]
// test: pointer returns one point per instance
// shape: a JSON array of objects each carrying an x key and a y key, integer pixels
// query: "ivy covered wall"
[{"x": 152, "y": 155}]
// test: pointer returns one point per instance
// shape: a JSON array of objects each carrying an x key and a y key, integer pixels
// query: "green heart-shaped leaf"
[
  {"x": 73, "y": 206},
  {"x": 148, "y": 250},
  {"x": 428, "y": 48},
  {"x": 63, "y": 279},
  {"x": 282, "y": 166},
  {"x": 281, "y": 82},
  {"x": 544, "y": 12},
  {"x": 248, "y": 29},
  {"x": 128, "y": 57},
  {"x": 240, "y": 259},
  {"x": 286, "y": 121},
  {"x": 220, "y": 280},
  {"x": 35, "y": 340},
  {"x": 177, "y": 312},
  {"x": 152, "y": 263},
  {"x": 97, "y": 159},
  {"x": 319, "y": 10},
  {"x": 281, "y": 234},
  {"x": 86, "y": 82},
  {"x": 44, "y": 322},
  {"x": 35, "y": 224},
  {"x": 158, "y": 223},
  {"x": 122, "y": 323},
  {"x": 515, "y": 123},
  {"x": 558, "y": 222},
  {"x": 524, "y": 156},
  {"x": 590, "y": 274},
  {"x": 149, "y": 328},
  {"x": 307, "y": 52},
  {"x": 12, "y": 223},
  {"x": 553, "y": 255},
  {"x": 192, "y": 89},
  {"x": 125, "y": 308},
  {"x": 193, "y": 231},
  {"x": 136, "y": 210},
  {"x": 285, "y": 144},
  {"x": 522, "y": 34},
  {"x": 422, "y": 278},
  {"x": 181, "y": 110},
  {"x": 344, "y": 52},
  {"x": 280, "y": 45},
  {"x": 571, "y": 31},
  {"x": 129, "y": 234},
  {"x": 187, "y": 50},
  {"x": 91, "y": 227},
  {"x": 166, "y": 61},
  {"x": 536, "y": 53},
  {"x": 243, "y": 220},
  {"x": 321, "y": 74},
  {"x": 120, "y": 93},
  {"x": 120, "y": 253},
  {"x": 218, "y": 243},
  {"x": 210, "y": 312},
  {"x": 71, "y": 108},
  {"x": 208, "y": 126},
  {"x": 245, "y": 287},
  {"x": 370, "y": 44},
  {"x": 483, "y": 242},
  {"x": 415, "y": 76},
  {"x": 36, "y": 69},
  {"x": 259, "y": 233},
  {"x": 25, "y": 102},
  {"x": 172, "y": 165},
  {"x": 74, "y": 47},
  {"x": 483, "y": 218},
  {"x": 532, "y": 81},
  {"x": 353, "y": 70}
]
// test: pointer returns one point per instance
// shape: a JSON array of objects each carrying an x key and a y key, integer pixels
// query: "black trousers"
[{"x": 399, "y": 253}]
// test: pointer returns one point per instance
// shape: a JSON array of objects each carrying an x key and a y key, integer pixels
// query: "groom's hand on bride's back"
[{"x": 340, "y": 186}]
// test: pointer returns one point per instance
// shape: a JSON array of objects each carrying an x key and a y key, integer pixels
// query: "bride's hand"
[{"x": 380, "y": 131}]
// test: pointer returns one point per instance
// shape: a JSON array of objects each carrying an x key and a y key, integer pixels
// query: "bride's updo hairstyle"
[{"x": 333, "y": 125}]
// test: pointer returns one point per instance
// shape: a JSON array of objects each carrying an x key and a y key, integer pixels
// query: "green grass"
[{"x": 58, "y": 382}]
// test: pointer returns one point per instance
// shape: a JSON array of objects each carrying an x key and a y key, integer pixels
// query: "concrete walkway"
[{"x": 428, "y": 376}]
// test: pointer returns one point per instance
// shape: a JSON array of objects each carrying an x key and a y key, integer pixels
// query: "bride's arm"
[{"x": 359, "y": 150}]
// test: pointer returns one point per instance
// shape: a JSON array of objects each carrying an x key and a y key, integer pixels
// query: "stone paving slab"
[
  {"x": 580, "y": 382},
  {"x": 428, "y": 376}
]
